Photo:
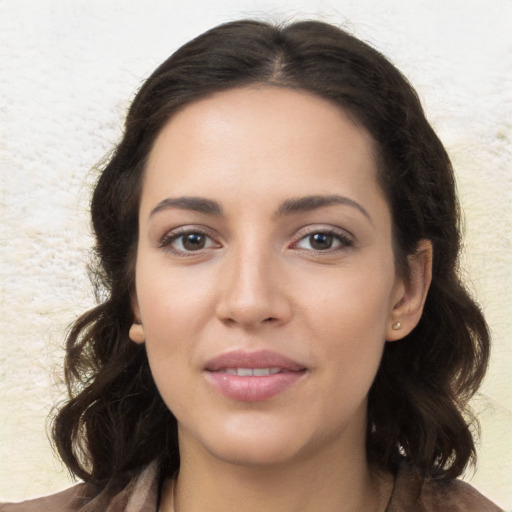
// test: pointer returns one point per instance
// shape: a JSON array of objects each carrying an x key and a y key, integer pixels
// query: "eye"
[
  {"x": 185, "y": 242},
  {"x": 327, "y": 240}
]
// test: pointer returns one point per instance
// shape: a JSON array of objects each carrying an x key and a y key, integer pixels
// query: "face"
[{"x": 265, "y": 278}]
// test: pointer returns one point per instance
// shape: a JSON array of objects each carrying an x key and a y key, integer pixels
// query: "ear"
[
  {"x": 136, "y": 331},
  {"x": 411, "y": 293}
]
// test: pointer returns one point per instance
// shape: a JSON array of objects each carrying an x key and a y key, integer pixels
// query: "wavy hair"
[{"x": 115, "y": 421}]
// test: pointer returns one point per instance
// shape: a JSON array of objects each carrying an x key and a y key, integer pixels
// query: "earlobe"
[{"x": 408, "y": 308}]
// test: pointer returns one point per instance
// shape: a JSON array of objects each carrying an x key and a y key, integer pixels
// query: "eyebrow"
[
  {"x": 308, "y": 203},
  {"x": 288, "y": 207},
  {"x": 197, "y": 204}
]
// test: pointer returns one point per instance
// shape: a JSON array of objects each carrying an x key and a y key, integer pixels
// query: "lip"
[{"x": 254, "y": 388}]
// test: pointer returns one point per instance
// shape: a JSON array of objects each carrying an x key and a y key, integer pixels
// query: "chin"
[
  {"x": 256, "y": 452},
  {"x": 250, "y": 443}
]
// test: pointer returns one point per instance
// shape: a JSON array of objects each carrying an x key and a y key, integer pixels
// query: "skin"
[{"x": 256, "y": 280}]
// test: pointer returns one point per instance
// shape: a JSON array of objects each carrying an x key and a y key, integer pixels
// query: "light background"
[{"x": 68, "y": 71}]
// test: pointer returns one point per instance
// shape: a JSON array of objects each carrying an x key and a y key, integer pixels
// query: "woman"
[{"x": 283, "y": 325}]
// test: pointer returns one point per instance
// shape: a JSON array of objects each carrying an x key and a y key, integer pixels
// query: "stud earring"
[
  {"x": 136, "y": 333},
  {"x": 397, "y": 326}
]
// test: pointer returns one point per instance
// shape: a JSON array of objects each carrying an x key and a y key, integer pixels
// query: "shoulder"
[
  {"x": 455, "y": 496},
  {"x": 65, "y": 501},
  {"x": 137, "y": 493},
  {"x": 412, "y": 494}
]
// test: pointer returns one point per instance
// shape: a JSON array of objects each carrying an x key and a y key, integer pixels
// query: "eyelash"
[{"x": 168, "y": 239}]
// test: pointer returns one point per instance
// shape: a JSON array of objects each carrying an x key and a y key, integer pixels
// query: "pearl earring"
[
  {"x": 397, "y": 326},
  {"x": 136, "y": 333}
]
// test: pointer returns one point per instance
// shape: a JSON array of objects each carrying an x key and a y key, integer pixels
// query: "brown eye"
[
  {"x": 188, "y": 242},
  {"x": 324, "y": 241},
  {"x": 193, "y": 241},
  {"x": 321, "y": 241}
]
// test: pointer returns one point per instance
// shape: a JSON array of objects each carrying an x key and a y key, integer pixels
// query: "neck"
[{"x": 334, "y": 483}]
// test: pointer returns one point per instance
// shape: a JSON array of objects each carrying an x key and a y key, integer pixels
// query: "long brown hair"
[{"x": 115, "y": 421}]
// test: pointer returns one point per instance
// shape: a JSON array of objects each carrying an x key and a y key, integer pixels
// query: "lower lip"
[{"x": 253, "y": 389}]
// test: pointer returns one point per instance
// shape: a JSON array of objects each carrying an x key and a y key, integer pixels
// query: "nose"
[{"x": 253, "y": 292}]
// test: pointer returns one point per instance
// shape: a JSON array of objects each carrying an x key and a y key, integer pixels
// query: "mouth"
[{"x": 253, "y": 376}]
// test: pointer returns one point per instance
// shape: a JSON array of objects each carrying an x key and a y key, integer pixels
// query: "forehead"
[
  {"x": 260, "y": 107},
  {"x": 260, "y": 139}
]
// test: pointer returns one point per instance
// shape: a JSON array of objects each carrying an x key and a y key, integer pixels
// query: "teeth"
[
  {"x": 252, "y": 372},
  {"x": 260, "y": 372}
]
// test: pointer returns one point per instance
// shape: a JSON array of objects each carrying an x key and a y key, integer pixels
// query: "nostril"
[{"x": 269, "y": 319}]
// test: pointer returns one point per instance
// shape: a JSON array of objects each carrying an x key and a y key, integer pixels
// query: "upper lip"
[{"x": 256, "y": 359}]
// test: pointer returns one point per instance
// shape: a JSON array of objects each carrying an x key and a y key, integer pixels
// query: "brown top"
[{"x": 141, "y": 495}]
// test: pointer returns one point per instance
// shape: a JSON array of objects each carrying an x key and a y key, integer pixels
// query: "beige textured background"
[{"x": 68, "y": 70}]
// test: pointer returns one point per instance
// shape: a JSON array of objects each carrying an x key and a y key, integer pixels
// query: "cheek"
[
  {"x": 175, "y": 308},
  {"x": 172, "y": 303},
  {"x": 171, "y": 318},
  {"x": 350, "y": 300},
  {"x": 348, "y": 316}
]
